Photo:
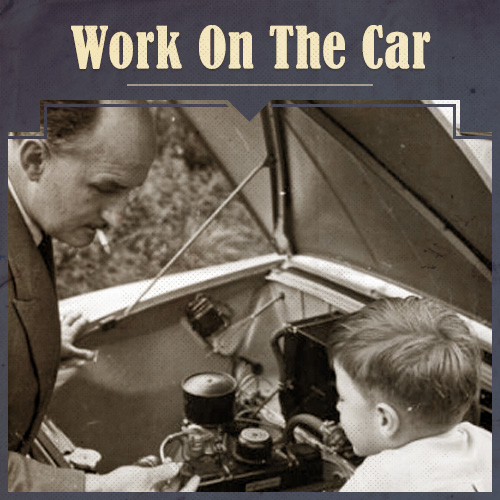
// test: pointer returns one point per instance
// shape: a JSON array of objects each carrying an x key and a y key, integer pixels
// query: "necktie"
[{"x": 45, "y": 248}]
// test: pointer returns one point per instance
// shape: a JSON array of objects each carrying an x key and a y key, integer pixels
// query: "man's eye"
[{"x": 105, "y": 189}]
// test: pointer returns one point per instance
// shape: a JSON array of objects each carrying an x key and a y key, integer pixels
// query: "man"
[{"x": 65, "y": 186}]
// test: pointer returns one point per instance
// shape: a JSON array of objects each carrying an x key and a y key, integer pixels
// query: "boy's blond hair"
[{"x": 417, "y": 355}]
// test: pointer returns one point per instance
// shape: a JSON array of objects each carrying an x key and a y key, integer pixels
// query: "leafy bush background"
[{"x": 185, "y": 185}]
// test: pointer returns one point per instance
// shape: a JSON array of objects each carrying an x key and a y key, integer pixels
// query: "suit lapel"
[{"x": 35, "y": 300}]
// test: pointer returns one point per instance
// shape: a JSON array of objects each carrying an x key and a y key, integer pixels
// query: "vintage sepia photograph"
[{"x": 300, "y": 302}]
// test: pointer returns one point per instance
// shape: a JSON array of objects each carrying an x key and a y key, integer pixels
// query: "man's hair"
[
  {"x": 63, "y": 122},
  {"x": 414, "y": 352}
]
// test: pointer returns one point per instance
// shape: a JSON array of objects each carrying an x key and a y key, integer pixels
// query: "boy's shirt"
[{"x": 458, "y": 460}]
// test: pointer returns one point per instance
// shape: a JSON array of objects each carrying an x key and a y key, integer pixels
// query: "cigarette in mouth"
[{"x": 103, "y": 240}]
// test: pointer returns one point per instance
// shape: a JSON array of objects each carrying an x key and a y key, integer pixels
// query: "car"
[{"x": 224, "y": 367}]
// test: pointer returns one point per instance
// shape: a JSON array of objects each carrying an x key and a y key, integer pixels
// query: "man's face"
[
  {"x": 84, "y": 184},
  {"x": 357, "y": 415}
]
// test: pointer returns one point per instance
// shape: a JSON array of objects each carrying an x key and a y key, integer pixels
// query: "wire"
[
  {"x": 256, "y": 421},
  {"x": 168, "y": 439}
]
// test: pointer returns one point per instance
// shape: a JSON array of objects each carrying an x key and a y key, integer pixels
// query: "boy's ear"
[
  {"x": 32, "y": 155},
  {"x": 387, "y": 419}
]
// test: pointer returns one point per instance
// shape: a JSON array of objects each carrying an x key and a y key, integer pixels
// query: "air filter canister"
[{"x": 209, "y": 398}]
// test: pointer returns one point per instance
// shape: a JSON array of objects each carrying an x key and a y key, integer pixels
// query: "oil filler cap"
[{"x": 254, "y": 445}]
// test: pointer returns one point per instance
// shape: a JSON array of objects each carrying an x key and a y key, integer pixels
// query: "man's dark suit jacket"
[{"x": 34, "y": 352}]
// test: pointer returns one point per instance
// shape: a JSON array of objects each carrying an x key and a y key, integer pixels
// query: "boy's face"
[{"x": 358, "y": 415}]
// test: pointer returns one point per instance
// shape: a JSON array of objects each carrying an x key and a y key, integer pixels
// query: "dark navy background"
[
  {"x": 38, "y": 61},
  {"x": 38, "y": 57}
]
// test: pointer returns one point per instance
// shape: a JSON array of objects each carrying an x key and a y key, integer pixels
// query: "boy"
[{"x": 407, "y": 372}]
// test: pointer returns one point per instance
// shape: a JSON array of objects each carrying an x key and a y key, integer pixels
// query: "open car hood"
[
  {"x": 360, "y": 202},
  {"x": 383, "y": 188}
]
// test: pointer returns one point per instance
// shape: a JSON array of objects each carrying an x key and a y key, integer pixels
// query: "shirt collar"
[{"x": 34, "y": 229}]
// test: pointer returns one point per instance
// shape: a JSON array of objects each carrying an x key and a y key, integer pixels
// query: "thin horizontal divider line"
[{"x": 249, "y": 84}]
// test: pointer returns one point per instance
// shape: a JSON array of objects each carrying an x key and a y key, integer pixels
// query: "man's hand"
[
  {"x": 73, "y": 324},
  {"x": 135, "y": 479}
]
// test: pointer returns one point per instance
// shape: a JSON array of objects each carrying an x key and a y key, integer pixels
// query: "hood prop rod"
[
  {"x": 273, "y": 136},
  {"x": 194, "y": 237}
]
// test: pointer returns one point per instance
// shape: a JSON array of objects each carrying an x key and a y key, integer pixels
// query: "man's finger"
[
  {"x": 86, "y": 354},
  {"x": 70, "y": 317},
  {"x": 76, "y": 352},
  {"x": 79, "y": 324},
  {"x": 72, "y": 363},
  {"x": 192, "y": 484},
  {"x": 64, "y": 374},
  {"x": 165, "y": 472}
]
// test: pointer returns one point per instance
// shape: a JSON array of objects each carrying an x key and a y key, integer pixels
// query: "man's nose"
[{"x": 113, "y": 213}]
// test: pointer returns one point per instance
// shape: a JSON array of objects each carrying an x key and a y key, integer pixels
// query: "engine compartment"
[
  {"x": 253, "y": 447},
  {"x": 282, "y": 435}
]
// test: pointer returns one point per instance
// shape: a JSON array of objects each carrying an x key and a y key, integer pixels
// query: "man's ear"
[
  {"x": 32, "y": 156},
  {"x": 387, "y": 419}
]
